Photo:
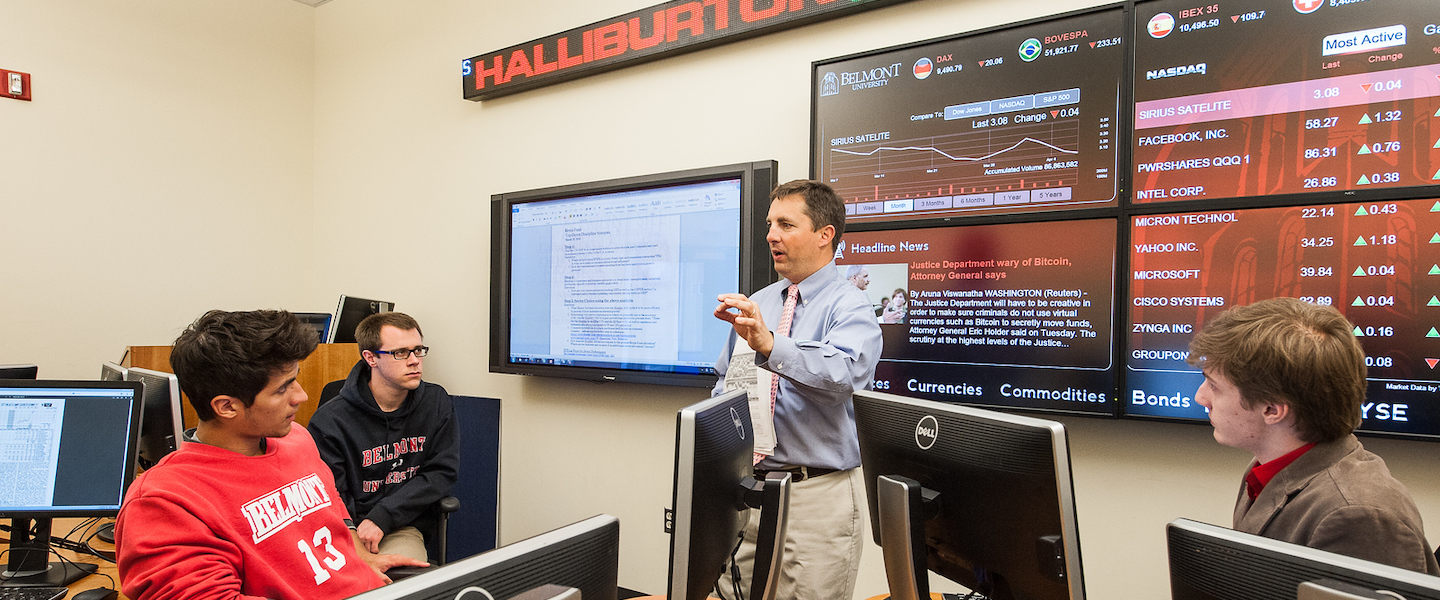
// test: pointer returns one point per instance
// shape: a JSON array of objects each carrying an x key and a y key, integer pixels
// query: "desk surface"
[{"x": 98, "y": 580}]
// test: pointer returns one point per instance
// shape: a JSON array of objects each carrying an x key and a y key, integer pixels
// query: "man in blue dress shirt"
[{"x": 822, "y": 348}]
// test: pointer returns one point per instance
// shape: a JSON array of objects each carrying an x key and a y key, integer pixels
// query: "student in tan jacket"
[{"x": 1285, "y": 380}]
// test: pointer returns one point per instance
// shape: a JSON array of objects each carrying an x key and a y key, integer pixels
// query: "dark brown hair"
[
  {"x": 822, "y": 205},
  {"x": 236, "y": 354}
]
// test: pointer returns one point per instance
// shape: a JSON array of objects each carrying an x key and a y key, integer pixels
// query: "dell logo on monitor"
[
  {"x": 739, "y": 423},
  {"x": 926, "y": 432}
]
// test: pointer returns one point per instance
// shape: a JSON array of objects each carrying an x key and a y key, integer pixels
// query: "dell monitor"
[
  {"x": 19, "y": 371},
  {"x": 980, "y": 497},
  {"x": 162, "y": 426},
  {"x": 584, "y": 556},
  {"x": 714, "y": 487},
  {"x": 70, "y": 452},
  {"x": 1214, "y": 563},
  {"x": 348, "y": 315},
  {"x": 112, "y": 372}
]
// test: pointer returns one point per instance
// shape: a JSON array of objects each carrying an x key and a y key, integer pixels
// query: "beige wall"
[
  {"x": 173, "y": 136},
  {"x": 287, "y": 155}
]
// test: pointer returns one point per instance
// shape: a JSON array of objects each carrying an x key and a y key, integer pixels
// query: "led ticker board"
[
  {"x": 659, "y": 31},
  {"x": 1272, "y": 97},
  {"x": 1378, "y": 263},
  {"x": 1019, "y": 119},
  {"x": 990, "y": 316}
]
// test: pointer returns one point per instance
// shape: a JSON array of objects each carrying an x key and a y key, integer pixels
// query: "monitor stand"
[
  {"x": 772, "y": 497},
  {"x": 27, "y": 565},
  {"x": 106, "y": 532},
  {"x": 904, "y": 506}
]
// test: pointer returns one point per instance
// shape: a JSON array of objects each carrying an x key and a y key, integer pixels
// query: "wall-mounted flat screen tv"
[
  {"x": 1016, "y": 315},
  {"x": 617, "y": 280},
  {"x": 1377, "y": 262},
  {"x": 1283, "y": 97},
  {"x": 1020, "y": 118}
]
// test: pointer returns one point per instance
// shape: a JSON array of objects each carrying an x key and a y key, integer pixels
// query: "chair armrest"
[{"x": 448, "y": 504}]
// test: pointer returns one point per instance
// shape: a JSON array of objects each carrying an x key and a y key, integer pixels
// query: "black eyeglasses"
[{"x": 404, "y": 353}]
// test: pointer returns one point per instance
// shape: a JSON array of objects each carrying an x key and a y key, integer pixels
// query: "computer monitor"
[
  {"x": 19, "y": 371},
  {"x": 112, "y": 372},
  {"x": 615, "y": 280},
  {"x": 348, "y": 315},
  {"x": 69, "y": 449},
  {"x": 714, "y": 487},
  {"x": 584, "y": 556},
  {"x": 320, "y": 322},
  {"x": 980, "y": 497},
  {"x": 162, "y": 423},
  {"x": 1214, "y": 563}
]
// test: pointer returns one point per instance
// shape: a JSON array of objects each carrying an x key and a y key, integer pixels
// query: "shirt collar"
[
  {"x": 817, "y": 280},
  {"x": 1261, "y": 475}
]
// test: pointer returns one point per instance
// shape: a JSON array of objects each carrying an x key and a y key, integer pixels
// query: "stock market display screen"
[
  {"x": 1271, "y": 97},
  {"x": 984, "y": 315},
  {"x": 1378, "y": 263},
  {"x": 1013, "y": 120}
]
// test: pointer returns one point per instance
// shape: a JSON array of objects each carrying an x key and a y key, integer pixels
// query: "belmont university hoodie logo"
[
  {"x": 393, "y": 453},
  {"x": 272, "y": 512}
]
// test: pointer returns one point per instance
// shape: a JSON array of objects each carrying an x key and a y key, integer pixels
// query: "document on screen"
[
  {"x": 29, "y": 446},
  {"x": 615, "y": 289}
]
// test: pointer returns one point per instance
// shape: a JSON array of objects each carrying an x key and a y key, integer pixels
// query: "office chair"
[
  {"x": 329, "y": 392},
  {"x": 443, "y": 508}
]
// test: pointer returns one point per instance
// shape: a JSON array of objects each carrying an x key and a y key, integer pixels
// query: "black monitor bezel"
[
  {"x": 523, "y": 561},
  {"x": 131, "y": 450},
  {"x": 346, "y": 310},
  {"x": 19, "y": 372},
  {"x": 981, "y": 421},
  {"x": 1277, "y": 566},
  {"x": 755, "y": 271},
  {"x": 694, "y": 512}
]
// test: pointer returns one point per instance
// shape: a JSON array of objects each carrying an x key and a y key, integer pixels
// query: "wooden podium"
[{"x": 328, "y": 363}]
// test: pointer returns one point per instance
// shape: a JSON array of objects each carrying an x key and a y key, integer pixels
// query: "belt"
[{"x": 797, "y": 473}]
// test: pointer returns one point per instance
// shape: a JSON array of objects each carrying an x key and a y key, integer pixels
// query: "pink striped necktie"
[{"x": 792, "y": 295}]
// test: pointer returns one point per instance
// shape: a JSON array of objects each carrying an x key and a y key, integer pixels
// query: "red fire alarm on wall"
[{"x": 14, "y": 84}]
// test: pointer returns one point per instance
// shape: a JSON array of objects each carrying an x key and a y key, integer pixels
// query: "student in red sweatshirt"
[{"x": 246, "y": 508}]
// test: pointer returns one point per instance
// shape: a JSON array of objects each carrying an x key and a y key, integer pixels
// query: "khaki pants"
[
  {"x": 405, "y": 541},
  {"x": 823, "y": 540}
]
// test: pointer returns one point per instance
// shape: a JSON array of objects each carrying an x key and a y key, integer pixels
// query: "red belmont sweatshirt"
[{"x": 207, "y": 523}]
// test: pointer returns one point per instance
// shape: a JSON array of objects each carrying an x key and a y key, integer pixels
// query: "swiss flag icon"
[{"x": 1307, "y": 6}]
